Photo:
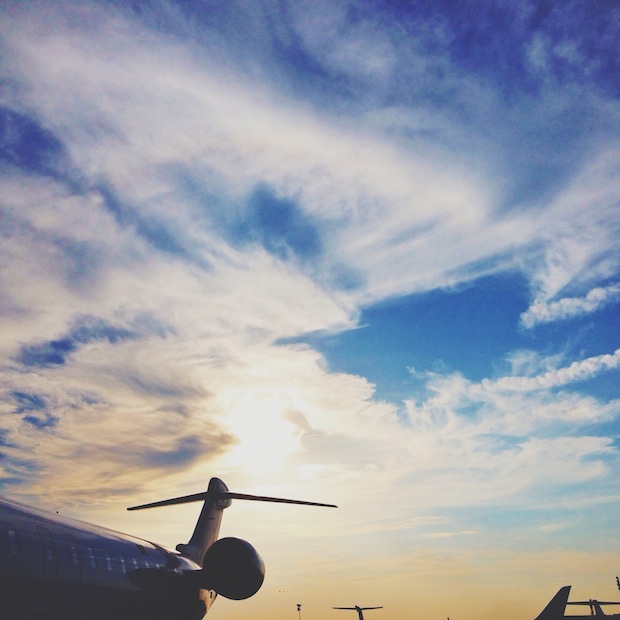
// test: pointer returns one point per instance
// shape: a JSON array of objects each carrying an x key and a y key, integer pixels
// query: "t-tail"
[
  {"x": 360, "y": 610},
  {"x": 229, "y": 566},
  {"x": 556, "y": 606}
]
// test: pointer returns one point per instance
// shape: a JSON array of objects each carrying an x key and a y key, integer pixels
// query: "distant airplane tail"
[
  {"x": 360, "y": 610},
  {"x": 556, "y": 606}
]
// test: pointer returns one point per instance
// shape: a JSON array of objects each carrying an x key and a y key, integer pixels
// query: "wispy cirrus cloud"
[
  {"x": 387, "y": 197},
  {"x": 569, "y": 307},
  {"x": 577, "y": 371}
]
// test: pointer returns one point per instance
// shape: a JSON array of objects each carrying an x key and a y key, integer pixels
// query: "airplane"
[
  {"x": 55, "y": 568},
  {"x": 359, "y": 610},
  {"x": 556, "y": 607}
]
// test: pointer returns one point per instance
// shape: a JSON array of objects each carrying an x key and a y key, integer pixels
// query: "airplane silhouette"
[
  {"x": 556, "y": 608},
  {"x": 359, "y": 610},
  {"x": 52, "y": 567}
]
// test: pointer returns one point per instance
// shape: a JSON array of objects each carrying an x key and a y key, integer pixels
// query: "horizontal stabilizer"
[
  {"x": 592, "y": 602},
  {"x": 356, "y": 608},
  {"x": 186, "y": 499},
  {"x": 278, "y": 500},
  {"x": 197, "y": 497}
]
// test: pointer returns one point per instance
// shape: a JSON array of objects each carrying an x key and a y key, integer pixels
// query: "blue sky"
[{"x": 358, "y": 252}]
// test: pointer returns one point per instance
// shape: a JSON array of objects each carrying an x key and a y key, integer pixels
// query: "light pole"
[{"x": 299, "y": 611}]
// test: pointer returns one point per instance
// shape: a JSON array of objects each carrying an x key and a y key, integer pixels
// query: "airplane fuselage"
[
  {"x": 53, "y": 568},
  {"x": 57, "y": 568}
]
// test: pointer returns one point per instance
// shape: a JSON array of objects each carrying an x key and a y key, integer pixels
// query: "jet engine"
[{"x": 233, "y": 568}]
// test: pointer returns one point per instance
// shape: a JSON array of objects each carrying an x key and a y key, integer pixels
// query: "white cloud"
[
  {"x": 361, "y": 50},
  {"x": 137, "y": 113},
  {"x": 452, "y": 534},
  {"x": 578, "y": 233},
  {"x": 577, "y": 371},
  {"x": 379, "y": 204},
  {"x": 514, "y": 406},
  {"x": 568, "y": 307}
]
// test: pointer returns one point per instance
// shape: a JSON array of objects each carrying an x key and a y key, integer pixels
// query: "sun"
[{"x": 265, "y": 437}]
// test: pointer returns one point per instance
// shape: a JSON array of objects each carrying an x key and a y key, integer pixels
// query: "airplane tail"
[
  {"x": 358, "y": 609},
  {"x": 556, "y": 606},
  {"x": 216, "y": 498},
  {"x": 230, "y": 566}
]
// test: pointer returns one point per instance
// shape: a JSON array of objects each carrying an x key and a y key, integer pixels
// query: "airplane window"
[
  {"x": 13, "y": 542},
  {"x": 75, "y": 558},
  {"x": 91, "y": 557},
  {"x": 134, "y": 563},
  {"x": 146, "y": 563},
  {"x": 49, "y": 552},
  {"x": 123, "y": 567},
  {"x": 108, "y": 560}
]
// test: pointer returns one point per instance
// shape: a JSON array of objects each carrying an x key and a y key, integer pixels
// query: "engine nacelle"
[{"x": 233, "y": 568}]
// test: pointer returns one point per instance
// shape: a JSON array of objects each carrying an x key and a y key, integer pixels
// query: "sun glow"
[{"x": 265, "y": 437}]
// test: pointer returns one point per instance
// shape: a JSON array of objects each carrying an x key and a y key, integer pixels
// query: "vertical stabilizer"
[
  {"x": 208, "y": 526},
  {"x": 556, "y": 606},
  {"x": 216, "y": 498}
]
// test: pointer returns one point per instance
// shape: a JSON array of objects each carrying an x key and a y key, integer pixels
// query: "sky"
[{"x": 359, "y": 252}]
